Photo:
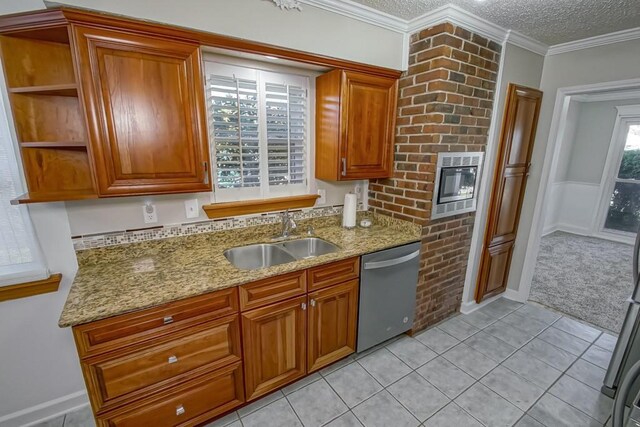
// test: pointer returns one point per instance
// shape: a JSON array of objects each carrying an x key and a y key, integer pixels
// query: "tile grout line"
[{"x": 547, "y": 390}]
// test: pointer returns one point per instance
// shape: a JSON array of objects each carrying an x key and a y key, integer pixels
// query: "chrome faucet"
[{"x": 288, "y": 224}]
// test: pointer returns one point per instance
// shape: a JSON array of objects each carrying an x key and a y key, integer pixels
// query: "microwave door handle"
[{"x": 390, "y": 262}]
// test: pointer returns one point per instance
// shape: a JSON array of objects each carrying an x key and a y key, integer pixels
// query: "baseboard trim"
[
  {"x": 515, "y": 295},
  {"x": 45, "y": 411},
  {"x": 471, "y": 306},
  {"x": 573, "y": 229}
]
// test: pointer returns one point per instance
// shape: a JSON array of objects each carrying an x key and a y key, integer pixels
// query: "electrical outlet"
[
  {"x": 149, "y": 213},
  {"x": 358, "y": 189},
  {"x": 191, "y": 208},
  {"x": 323, "y": 197}
]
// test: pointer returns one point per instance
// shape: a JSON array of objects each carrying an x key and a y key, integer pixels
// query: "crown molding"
[
  {"x": 526, "y": 42},
  {"x": 458, "y": 16},
  {"x": 451, "y": 13},
  {"x": 360, "y": 12},
  {"x": 605, "y": 39}
]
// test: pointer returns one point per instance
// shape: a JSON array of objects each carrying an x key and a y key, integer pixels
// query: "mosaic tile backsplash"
[{"x": 114, "y": 238}]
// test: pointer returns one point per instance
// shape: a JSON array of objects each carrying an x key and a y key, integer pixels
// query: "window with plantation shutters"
[{"x": 257, "y": 131}]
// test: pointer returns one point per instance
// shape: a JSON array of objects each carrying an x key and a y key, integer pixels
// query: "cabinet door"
[
  {"x": 333, "y": 318},
  {"x": 368, "y": 126},
  {"x": 274, "y": 344},
  {"x": 144, "y": 102}
]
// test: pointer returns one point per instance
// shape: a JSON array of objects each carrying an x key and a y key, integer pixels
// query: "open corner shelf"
[
  {"x": 54, "y": 144},
  {"x": 70, "y": 89}
]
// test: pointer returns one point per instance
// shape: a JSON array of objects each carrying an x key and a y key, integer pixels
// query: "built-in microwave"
[{"x": 457, "y": 182}]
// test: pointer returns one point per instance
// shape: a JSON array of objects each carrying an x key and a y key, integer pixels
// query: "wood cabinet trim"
[
  {"x": 272, "y": 290},
  {"x": 118, "y": 417},
  {"x": 57, "y": 17},
  {"x": 317, "y": 356},
  {"x": 255, "y": 386},
  {"x": 228, "y": 209},
  {"x": 182, "y": 314},
  {"x": 93, "y": 368},
  {"x": 28, "y": 289},
  {"x": 332, "y": 274}
]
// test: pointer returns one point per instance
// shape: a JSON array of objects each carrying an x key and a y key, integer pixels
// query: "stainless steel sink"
[
  {"x": 309, "y": 247},
  {"x": 253, "y": 257}
]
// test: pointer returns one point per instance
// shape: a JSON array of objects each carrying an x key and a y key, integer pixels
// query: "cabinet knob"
[
  {"x": 344, "y": 166},
  {"x": 173, "y": 359},
  {"x": 304, "y": 306},
  {"x": 180, "y": 410},
  {"x": 206, "y": 172},
  {"x": 312, "y": 302},
  {"x": 167, "y": 320}
]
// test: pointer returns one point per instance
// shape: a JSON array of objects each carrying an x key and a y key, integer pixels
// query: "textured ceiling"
[{"x": 549, "y": 21}]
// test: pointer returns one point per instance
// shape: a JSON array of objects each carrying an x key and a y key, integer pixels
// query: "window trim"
[
  {"x": 36, "y": 269},
  {"x": 258, "y": 193},
  {"x": 626, "y": 115}
]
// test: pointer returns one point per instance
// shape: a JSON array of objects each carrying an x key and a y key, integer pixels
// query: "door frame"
[
  {"x": 549, "y": 171},
  {"x": 626, "y": 115}
]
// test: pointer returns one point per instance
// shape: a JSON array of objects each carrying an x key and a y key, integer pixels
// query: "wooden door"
[
  {"x": 333, "y": 319},
  {"x": 144, "y": 101},
  {"x": 510, "y": 179},
  {"x": 274, "y": 343},
  {"x": 368, "y": 126}
]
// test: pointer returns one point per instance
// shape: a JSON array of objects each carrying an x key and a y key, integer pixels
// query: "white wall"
[
  {"x": 39, "y": 360},
  {"x": 613, "y": 62},
  {"x": 575, "y": 193},
  {"x": 519, "y": 66},
  {"x": 40, "y": 374}
]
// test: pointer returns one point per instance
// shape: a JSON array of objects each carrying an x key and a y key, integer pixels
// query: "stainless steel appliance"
[
  {"x": 457, "y": 181},
  {"x": 388, "y": 281},
  {"x": 627, "y": 350}
]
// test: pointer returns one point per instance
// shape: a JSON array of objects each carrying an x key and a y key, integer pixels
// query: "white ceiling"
[{"x": 549, "y": 21}]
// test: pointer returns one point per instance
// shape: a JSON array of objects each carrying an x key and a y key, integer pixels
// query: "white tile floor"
[{"x": 503, "y": 365}]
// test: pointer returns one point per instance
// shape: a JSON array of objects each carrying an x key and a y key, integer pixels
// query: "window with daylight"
[
  {"x": 258, "y": 132},
  {"x": 623, "y": 212},
  {"x": 20, "y": 257}
]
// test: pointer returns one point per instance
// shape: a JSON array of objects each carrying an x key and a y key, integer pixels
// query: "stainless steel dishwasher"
[{"x": 388, "y": 281}]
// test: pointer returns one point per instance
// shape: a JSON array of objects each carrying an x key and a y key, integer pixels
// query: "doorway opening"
[{"x": 581, "y": 246}]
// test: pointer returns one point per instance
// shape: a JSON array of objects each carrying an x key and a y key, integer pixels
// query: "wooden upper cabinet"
[
  {"x": 144, "y": 102},
  {"x": 355, "y": 125}
]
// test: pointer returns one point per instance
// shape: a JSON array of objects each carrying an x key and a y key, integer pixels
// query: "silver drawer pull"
[
  {"x": 173, "y": 359},
  {"x": 390, "y": 262},
  {"x": 312, "y": 302},
  {"x": 180, "y": 410},
  {"x": 167, "y": 320}
]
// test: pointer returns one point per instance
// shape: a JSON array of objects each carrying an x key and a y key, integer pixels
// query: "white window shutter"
[{"x": 233, "y": 127}]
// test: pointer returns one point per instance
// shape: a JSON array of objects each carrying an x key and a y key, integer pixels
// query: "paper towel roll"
[{"x": 349, "y": 210}]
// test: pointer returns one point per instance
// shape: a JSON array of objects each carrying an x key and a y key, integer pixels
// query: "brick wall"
[{"x": 445, "y": 103}]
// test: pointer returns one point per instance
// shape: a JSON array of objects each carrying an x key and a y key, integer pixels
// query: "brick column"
[{"x": 445, "y": 103}]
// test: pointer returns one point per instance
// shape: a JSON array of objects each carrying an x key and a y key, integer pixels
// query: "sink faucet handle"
[{"x": 310, "y": 230}]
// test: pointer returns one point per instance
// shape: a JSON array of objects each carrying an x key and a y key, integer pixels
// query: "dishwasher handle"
[{"x": 390, "y": 262}]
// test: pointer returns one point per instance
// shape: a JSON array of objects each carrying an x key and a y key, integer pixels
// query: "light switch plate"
[{"x": 191, "y": 208}]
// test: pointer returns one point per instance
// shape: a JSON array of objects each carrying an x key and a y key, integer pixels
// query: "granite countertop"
[{"x": 119, "y": 279}]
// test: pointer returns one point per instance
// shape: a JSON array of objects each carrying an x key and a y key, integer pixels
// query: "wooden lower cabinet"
[
  {"x": 189, "y": 361},
  {"x": 189, "y": 404},
  {"x": 274, "y": 342},
  {"x": 333, "y": 318}
]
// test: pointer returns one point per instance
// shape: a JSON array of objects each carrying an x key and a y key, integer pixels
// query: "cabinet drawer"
[
  {"x": 334, "y": 273},
  {"x": 189, "y": 404},
  {"x": 121, "y": 331},
  {"x": 273, "y": 289},
  {"x": 127, "y": 375}
]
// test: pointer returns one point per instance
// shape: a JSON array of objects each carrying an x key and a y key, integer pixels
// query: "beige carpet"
[{"x": 584, "y": 277}]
